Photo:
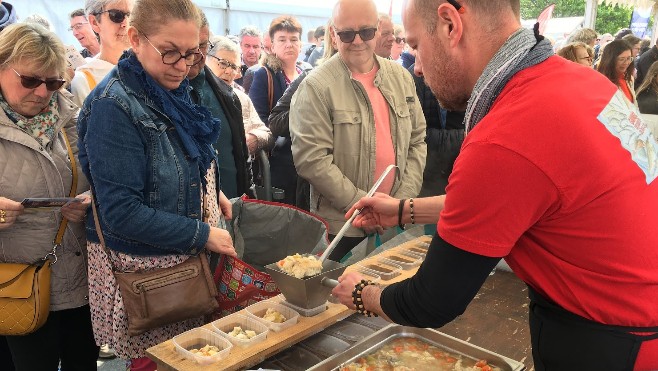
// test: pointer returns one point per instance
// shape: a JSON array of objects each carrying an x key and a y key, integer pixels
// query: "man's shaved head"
[{"x": 365, "y": 7}]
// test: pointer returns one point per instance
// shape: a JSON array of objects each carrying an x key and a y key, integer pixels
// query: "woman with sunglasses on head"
[
  {"x": 617, "y": 65},
  {"x": 279, "y": 119},
  {"x": 147, "y": 152},
  {"x": 37, "y": 128},
  {"x": 399, "y": 43},
  {"x": 109, "y": 20},
  {"x": 280, "y": 69}
]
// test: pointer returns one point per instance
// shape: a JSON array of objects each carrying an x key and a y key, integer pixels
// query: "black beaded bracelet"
[
  {"x": 411, "y": 211},
  {"x": 358, "y": 300},
  {"x": 400, "y": 210}
]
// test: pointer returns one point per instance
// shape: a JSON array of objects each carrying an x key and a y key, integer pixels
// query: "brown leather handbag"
[
  {"x": 160, "y": 297},
  {"x": 25, "y": 288}
]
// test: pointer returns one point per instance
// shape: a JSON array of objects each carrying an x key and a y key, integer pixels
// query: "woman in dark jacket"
[
  {"x": 270, "y": 82},
  {"x": 279, "y": 123},
  {"x": 647, "y": 93}
]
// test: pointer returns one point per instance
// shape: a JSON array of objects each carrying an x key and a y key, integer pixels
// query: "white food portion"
[
  {"x": 207, "y": 351},
  {"x": 300, "y": 266},
  {"x": 239, "y": 333},
  {"x": 273, "y": 316}
]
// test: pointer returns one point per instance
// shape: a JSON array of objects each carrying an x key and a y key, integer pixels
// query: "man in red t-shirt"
[{"x": 556, "y": 175}]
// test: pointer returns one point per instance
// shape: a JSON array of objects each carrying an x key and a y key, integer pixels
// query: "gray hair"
[
  {"x": 38, "y": 19},
  {"x": 249, "y": 31},
  {"x": 96, "y": 6},
  {"x": 78, "y": 13},
  {"x": 223, "y": 43},
  {"x": 584, "y": 35}
]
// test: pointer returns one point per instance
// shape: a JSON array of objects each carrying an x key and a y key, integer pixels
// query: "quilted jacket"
[{"x": 29, "y": 170}]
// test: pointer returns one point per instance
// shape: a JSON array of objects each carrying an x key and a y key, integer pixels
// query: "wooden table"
[{"x": 496, "y": 320}]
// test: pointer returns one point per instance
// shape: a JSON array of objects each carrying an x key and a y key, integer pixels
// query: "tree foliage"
[{"x": 609, "y": 18}]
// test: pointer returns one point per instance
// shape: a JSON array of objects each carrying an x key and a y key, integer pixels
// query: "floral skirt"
[{"x": 108, "y": 314}]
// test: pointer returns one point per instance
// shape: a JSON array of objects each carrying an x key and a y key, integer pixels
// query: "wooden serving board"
[{"x": 167, "y": 358}]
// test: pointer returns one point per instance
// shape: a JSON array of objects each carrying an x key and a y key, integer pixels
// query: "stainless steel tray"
[{"x": 376, "y": 340}]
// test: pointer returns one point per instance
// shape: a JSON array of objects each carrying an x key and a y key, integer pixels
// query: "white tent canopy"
[{"x": 225, "y": 16}]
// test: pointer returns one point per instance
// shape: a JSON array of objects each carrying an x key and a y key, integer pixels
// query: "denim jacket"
[{"x": 147, "y": 190}]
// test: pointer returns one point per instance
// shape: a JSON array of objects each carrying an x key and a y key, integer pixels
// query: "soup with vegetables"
[{"x": 407, "y": 353}]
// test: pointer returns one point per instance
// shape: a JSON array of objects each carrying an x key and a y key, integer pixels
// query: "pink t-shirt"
[{"x": 384, "y": 152}]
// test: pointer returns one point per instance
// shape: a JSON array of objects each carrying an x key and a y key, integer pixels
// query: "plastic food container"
[
  {"x": 406, "y": 262},
  {"x": 367, "y": 273},
  {"x": 423, "y": 245},
  {"x": 384, "y": 269},
  {"x": 198, "y": 338},
  {"x": 258, "y": 311},
  {"x": 225, "y": 325}
]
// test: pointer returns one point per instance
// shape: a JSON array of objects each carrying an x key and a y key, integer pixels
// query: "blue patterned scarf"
[{"x": 195, "y": 126}]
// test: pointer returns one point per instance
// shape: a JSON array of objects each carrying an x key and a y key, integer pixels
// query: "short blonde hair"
[
  {"x": 29, "y": 43},
  {"x": 149, "y": 15}
]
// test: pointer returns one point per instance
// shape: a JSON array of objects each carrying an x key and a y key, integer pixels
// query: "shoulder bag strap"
[
  {"x": 90, "y": 79},
  {"x": 72, "y": 192},
  {"x": 270, "y": 89}
]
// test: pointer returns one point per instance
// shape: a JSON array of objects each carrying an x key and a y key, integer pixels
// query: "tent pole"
[
  {"x": 227, "y": 27},
  {"x": 654, "y": 13},
  {"x": 590, "y": 14}
]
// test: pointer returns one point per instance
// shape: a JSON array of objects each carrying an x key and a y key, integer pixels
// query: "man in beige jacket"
[{"x": 353, "y": 116}]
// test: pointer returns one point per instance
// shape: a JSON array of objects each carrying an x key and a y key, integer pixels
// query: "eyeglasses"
[
  {"x": 224, "y": 63},
  {"x": 31, "y": 82},
  {"x": 78, "y": 26},
  {"x": 115, "y": 15},
  {"x": 173, "y": 56},
  {"x": 588, "y": 58},
  {"x": 207, "y": 45},
  {"x": 457, "y": 6},
  {"x": 625, "y": 59},
  {"x": 400, "y": 40},
  {"x": 365, "y": 34}
]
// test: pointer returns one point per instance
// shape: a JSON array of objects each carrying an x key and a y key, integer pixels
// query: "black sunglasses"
[
  {"x": 365, "y": 34},
  {"x": 457, "y": 6},
  {"x": 30, "y": 82},
  {"x": 400, "y": 40},
  {"x": 115, "y": 15}
]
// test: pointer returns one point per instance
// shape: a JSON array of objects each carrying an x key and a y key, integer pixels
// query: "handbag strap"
[
  {"x": 72, "y": 193},
  {"x": 97, "y": 224},
  {"x": 90, "y": 79},
  {"x": 270, "y": 89}
]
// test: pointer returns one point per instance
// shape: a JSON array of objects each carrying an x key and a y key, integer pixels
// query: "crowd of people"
[
  {"x": 516, "y": 153},
  {"x": 623, "y": 58}
]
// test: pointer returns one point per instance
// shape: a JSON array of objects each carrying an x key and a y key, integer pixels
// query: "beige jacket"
[
  {"x": 252, "y": 123},
  {"x": 332, "y": 127},
  {"x": 28, "y": 170}
]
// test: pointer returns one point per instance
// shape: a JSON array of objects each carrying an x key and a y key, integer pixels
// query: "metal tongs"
[{"x": 347, "y": 225}]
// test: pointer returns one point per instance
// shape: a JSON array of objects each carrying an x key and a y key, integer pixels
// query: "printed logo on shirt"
[{"x": 623, "y": 120}]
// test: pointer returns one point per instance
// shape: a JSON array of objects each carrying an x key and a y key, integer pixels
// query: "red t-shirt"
[{"x": 558, "y": 178}]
